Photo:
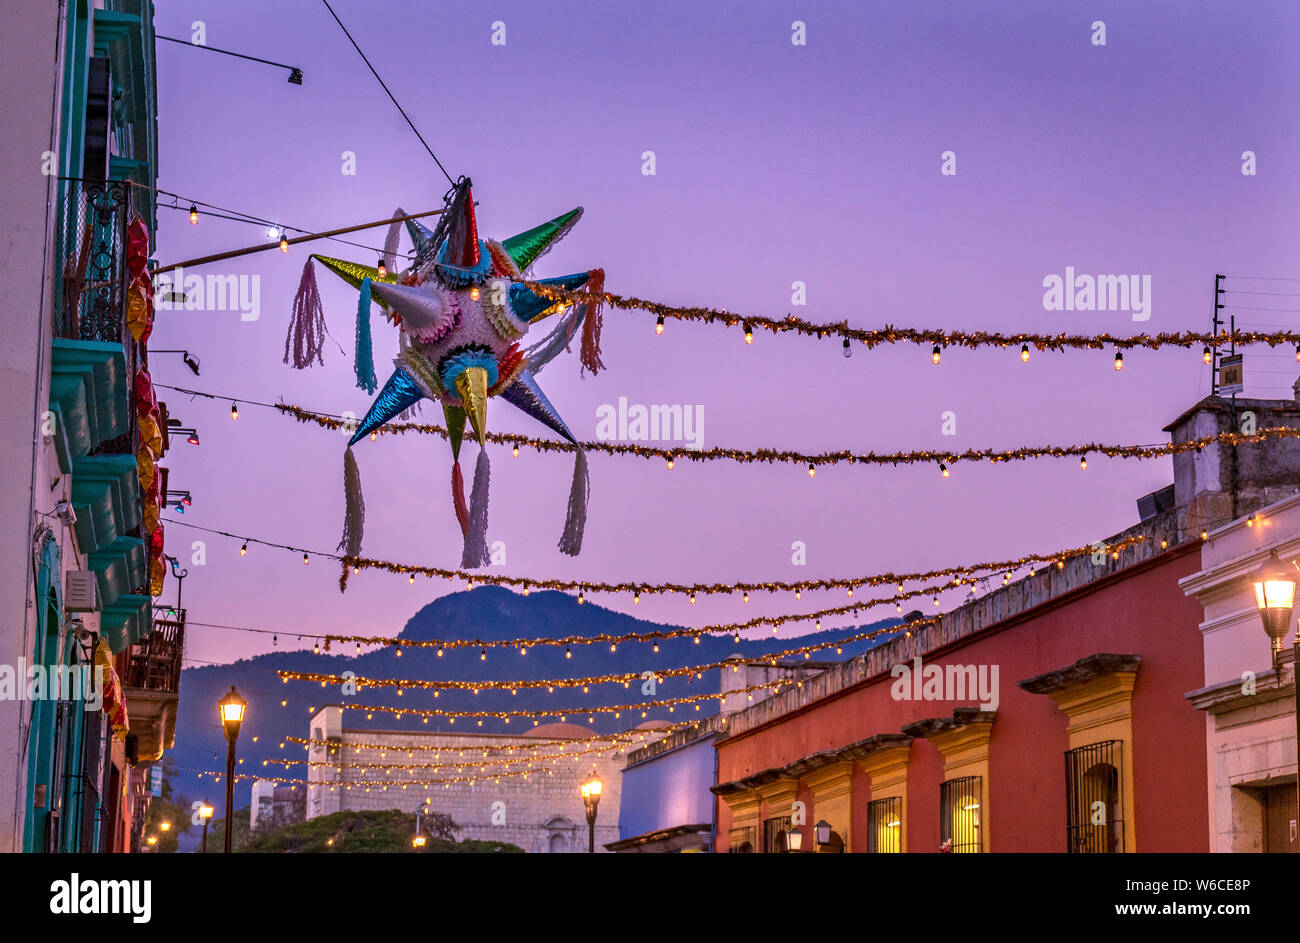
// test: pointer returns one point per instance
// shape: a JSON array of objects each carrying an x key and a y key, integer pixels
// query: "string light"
[
  {"x": 659, "y": 325},
  {"x": 194, "y": 213},
  {"x": 1119, "y": 360},
  {"x": 1208, "y": 357},
  {"x": 234, "y": 412},
  {"x": 284, "y": 243},
  {"x": 943, "y": 469},
  {"x": 895, "y": 335},
  {"x": 749, "y": 334},
  {"x": 305, "y": 561},
  {"x": 381, "y": 269},
  {"x": 1024, "y": 353},
  {"x": 812, "y": 471},
  {"x": 243, "y": 551},
  {"x": 1083, "y": 463},
  {"x": 515, "y": 451},
  {"x": 936, "y": 355},
  {"x": 771, "y": 455},
  {"x": 848, "y": 350}
]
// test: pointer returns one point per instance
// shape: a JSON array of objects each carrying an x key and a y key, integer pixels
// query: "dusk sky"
[{"x": 775, "y": 163}]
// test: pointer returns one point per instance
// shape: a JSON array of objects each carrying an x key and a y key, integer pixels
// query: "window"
[
  {"x": 1095, "y": 822},
  {"x": 741, "y": 840},
  {"x": 959, "y": 815},
  {"x": 774, "y": 830},
  {"x": 885, "y": 826}
]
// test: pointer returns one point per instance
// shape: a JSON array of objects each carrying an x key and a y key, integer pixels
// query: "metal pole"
[
  {"x": 230, "y": 788},
  {"x": 591, "y": 831},
  {"x": 205, "y": 833},
  {"x": 266, "y": 246},
  {"x": 1295, "y": 680}
]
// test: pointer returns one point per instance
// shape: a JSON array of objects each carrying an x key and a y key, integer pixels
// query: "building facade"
[
  {"x": 542, "y": 812},
  {"x": 1248, "y": 704},
  {"x": 79, "y": 516},
  {"x": 1052, "y": 714}
]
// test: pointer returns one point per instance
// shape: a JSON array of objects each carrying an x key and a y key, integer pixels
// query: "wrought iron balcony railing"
[
  {"x": 90, "y": 304},
  {"x": 154, "y": 663}
]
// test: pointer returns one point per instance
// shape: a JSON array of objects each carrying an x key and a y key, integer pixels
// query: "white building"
[
  {"x": 542, "y": 812},
  {"x": 1249, "y": 708}
]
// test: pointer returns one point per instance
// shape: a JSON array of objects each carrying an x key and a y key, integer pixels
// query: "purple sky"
[{"x": 775, "y": 163}]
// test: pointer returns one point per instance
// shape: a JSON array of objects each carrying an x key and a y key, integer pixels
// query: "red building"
[
  {"x": 1087, "y": 707},
  {"x": 1050, "y": 715}
]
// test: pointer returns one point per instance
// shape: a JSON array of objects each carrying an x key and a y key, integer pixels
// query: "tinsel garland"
[
  {"x": 821, "y": 459},
  {"x": 901, "y": 335}
]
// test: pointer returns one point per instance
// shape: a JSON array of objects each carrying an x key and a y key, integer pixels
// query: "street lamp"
[
  {"x": 419, "y": 840},
  {"x": 205, "y": 813},
  {"x": 823, "y": 830},
  {"x": 1275, "y": 598},
  {"x": 794, "y": 840},
  {"x": 591, "y": 787},
  {"x": 231, "y": 710}
]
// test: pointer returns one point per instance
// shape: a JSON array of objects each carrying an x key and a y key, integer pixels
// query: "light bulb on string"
[
  {"x": 284, "y": 243},
  {"x": 1083, "y": 462},
  {"x": 515, "y": 451},
  {"x": 381, "y": 269},
  {"x": 659, "y": 325},
  {"x": 194, "y": 213},
  {"x": 812, "y": 471},
  {"x": 234, "y": 412},
  {"x": 1024, "y": 353},
  {"x": 1119, "y": 360},
  {"x": 943, "y": 469},
  {"x": 749, "y": 333},
  {"x": 243, "y": 551},
  {"x": 1208, "y": 357},
  {"x": 305, "y": 560},
  {"x": 936, "y": 355},
  {"x": 848, "y": 350}
]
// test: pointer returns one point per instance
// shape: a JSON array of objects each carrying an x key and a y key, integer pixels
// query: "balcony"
[
  {"x": 152, "y": 687},
  {"x": 94, "y": 359}
]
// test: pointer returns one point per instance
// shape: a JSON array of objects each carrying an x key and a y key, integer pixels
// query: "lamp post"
[
  {"x": 180, "y": 574},
  {"x": 1274, "y": 586},
  {"x": 205, "y": 813},
  {"x": 231, "y": 709},
  {"x": 419, "y": 840},
  {"x": 591, "y": 787}
]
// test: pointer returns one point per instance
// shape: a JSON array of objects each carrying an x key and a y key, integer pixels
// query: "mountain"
[{"x": 488, "y": 613}]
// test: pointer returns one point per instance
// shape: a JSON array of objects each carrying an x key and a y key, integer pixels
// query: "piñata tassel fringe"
[
  {"x": 575, "y": 522},
  {"x": 306, "y": 337},
  {"x": 354, "y": 514},
  {"x": 458, "y": 497},
  {"x": 476, "y": 549},
  {"x": 364, "y": 361},
  {"x": 590, "y": 354}
]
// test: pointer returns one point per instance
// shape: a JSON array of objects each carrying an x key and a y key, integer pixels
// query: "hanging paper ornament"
[
  {"x": 139, "y": 307},
  {"x": 157, "y": 563},
  {"x": 462, "y": 312}
]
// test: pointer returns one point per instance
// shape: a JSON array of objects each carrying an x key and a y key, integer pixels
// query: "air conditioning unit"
[{"x": 82, "y": 593}]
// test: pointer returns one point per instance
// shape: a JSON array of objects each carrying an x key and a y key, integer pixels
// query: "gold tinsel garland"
[
  {"x": 961, "y": 575},
  {"x": 817, "y": 459},
  {"x": 563, "y": 713},
  {"x": 902, "y": 335}
]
